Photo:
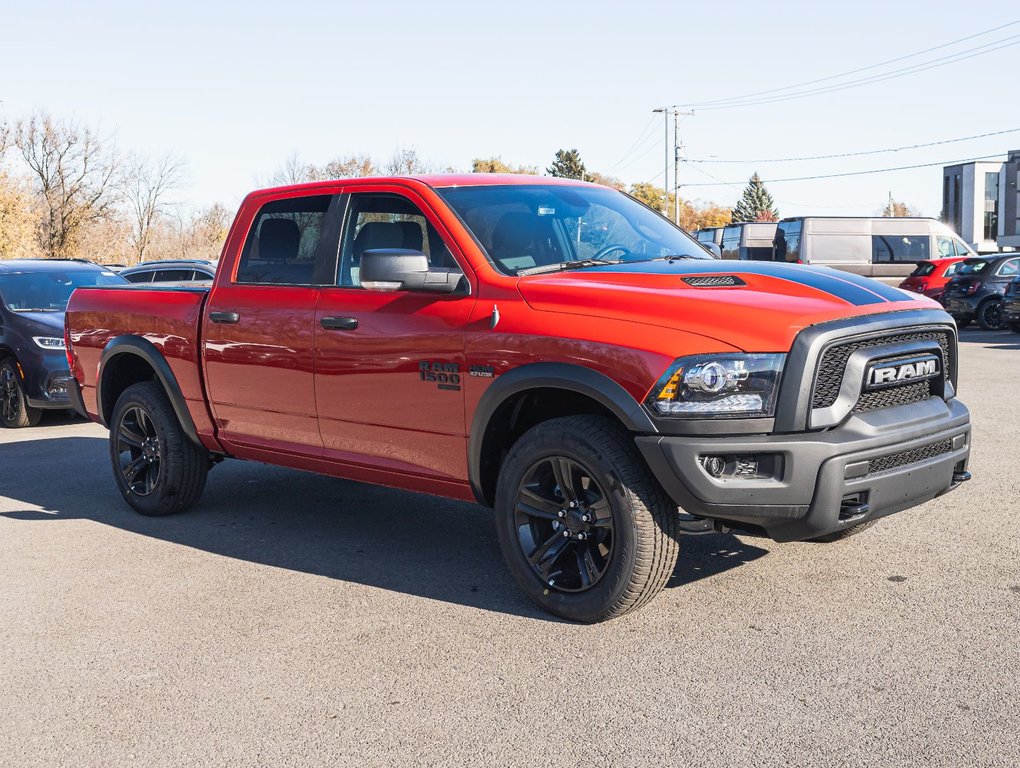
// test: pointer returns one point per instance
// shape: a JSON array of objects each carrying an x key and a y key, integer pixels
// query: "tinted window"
[
  {"x": 787, "y": 242},
  {"x": 1009, "y": 269},
  {"x": 284, "y": 241},
  {"x": 951, "y": 269},
  {"x": 972, "y": 267},
  {"x": 49, "y": 291},
  {"x": 886, "y": 248},
  {"x": 961, "y": 248},
  {"x": 173, "y": 275},
  {"x": 923, "y": 270},
  {"x": 387, "y": 221},
  {"x": 144, "y": 276}
]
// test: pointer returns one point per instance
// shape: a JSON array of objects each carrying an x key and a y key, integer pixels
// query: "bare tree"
[
  {"x": 405, "y": 162},
  {"x": 349, "y": 167},
  {"x": 147, "y": 183},
  {"x": 74, "y": 177}
]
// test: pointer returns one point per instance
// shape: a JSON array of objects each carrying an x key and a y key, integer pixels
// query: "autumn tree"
[
  {"x": 606, "y": 181},
  {"x": 567, "y": 165},
  {"x": 496, "y": 165},
  {"x": 147, "y": 185},
  {"x": 349, "y": 167},
  {"x": 74, "y": 175},
  {"x": 406, "y": 162},
  {"x": 756, "y": 204},
  {"x": 897, "y": 209},
  {"x": 695, "y": 214},
  {"x": 17, "y": 220}
]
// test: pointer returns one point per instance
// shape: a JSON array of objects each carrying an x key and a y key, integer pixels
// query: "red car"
[
  {"x": 930, "y": 277},
  {"x": 549, "y": 348}
]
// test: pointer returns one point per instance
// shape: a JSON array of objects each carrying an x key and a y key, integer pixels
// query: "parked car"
[
  {"x": 183, "y": 271},
  {"x": 930, "y": 276},
  {"x": 454, "y": 335},
  {"x": 887, "y": 249},
  {"x": 710, "y": 236},
  {"x": 748, "y": 241},
  {"x": 33, "y": 361},
  {"x": 1011, "y": 306},
  {"x": 976, "y": 292}
]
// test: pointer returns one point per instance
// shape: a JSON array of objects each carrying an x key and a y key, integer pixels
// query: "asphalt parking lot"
[{"x": 292, "y": 619}]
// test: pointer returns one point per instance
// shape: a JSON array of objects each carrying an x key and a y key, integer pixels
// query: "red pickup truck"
[{"x": 549, "y": 348}]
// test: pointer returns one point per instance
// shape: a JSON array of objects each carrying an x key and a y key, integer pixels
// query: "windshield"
[
  {"x": 526, "y": 226},
  {"x": 49, "y": 291}
]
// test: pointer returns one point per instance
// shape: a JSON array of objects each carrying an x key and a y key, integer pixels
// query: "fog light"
[{"x": 714, "y": 465}]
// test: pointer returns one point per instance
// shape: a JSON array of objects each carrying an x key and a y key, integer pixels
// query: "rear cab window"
[
  {"x": 899, "y": 248},
  {"x": 286, "y": 243}
]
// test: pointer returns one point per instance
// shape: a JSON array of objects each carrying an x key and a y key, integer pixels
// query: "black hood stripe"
[{"x": 851, "y": 288}]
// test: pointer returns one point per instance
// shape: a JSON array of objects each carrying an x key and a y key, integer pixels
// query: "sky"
[{"x": 234, "y": 89}]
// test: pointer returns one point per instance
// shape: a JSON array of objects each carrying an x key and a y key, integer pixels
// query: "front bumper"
[{"x": 874, "y": 464}]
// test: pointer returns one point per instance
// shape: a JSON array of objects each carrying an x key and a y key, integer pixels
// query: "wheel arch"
[
  {"x": 128, "y": 360},
  {"x": 531, "y": 394}
]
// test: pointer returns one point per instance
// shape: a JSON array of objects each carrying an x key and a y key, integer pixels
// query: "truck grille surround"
[{"x": 832, "y": 367}]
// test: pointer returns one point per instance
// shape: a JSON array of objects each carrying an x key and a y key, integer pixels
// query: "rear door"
[
  {"x": 260, "y": 328},
  {"x": 390, "y": 365}
]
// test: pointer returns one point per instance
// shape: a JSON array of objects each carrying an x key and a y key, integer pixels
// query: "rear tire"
[
  {"x": 15, "y": 412},
  {"x": 846, "y": 533},
  {"x": 584, "y": 527},
  {"x": 989, "y": 315},
  {"x": 158, "y": 469}
]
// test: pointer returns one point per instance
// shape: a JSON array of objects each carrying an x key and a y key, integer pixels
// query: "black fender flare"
[
  {"x": 566, "y": 376},
  {"x": 146, "y": 350}
]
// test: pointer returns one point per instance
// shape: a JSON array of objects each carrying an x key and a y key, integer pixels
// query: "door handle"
[
  {"x": 224, "y": 317},
  {"x": 339, "y": 323}
]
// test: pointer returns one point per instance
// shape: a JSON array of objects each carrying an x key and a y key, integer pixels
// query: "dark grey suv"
[
  {"x": 184, "y": 270},
  {"x": 976, "y": 291},
  {"x": 33, "y": 362}
]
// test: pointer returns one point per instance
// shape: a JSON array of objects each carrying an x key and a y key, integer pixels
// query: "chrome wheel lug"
[
  {"x": 573, "y": 504},
  {"x": 566, "y": 534},
  {"x": 561, "y": 513},
  {"x": 581, "y": 537},
  {"x": 585, "y": 518}
]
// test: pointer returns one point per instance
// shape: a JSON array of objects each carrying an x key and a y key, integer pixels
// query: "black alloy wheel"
[
  {"x": 564, "y": 524},
  {"x": 138, "y": 449},
  {"x": 15, "y": 412},
  {"x": 990, "y": 315}
]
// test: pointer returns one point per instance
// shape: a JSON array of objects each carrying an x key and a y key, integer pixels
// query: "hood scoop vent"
[{"x": 713, "y": 281}]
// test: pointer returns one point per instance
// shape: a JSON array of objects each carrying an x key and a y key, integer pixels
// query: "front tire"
[
  {"x": 584, "y": 527},
  {"x": 15, "y": 412},
  {"x": 158, "y": 469},
  {"x": 989, "y": 315}
]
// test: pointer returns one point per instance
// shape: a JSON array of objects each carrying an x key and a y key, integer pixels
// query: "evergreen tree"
[
  {"x": 567, "y": 165},
  {"x": 756, "y": 204}
]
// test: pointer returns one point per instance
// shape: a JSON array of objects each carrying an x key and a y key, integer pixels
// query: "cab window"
[
  {"x": 387, "y": 221},
  {"x": 893, "y": 248},
  {"x": 1009, "y": 269},
  {"x": 283, "y": 243}
]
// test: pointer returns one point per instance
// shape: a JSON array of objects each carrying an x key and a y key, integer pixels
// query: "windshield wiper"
[{"x": 562, "y": 265}]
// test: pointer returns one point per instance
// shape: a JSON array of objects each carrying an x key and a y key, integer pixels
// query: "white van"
[
  {"x": 884, "y": 248},
  {"x": 748, "y": 240}
]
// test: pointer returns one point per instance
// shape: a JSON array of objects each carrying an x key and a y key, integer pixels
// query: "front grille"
[
  {"x": 913, "y": 456},
  {"x": 887, "y": 398},
  {"x": 829, "y": 377}
]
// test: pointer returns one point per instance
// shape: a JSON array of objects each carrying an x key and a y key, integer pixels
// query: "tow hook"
[{"x": 960, "y": 476}]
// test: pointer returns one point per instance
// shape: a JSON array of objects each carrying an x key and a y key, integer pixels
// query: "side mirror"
[
  {"x": 401, "y": 269},
  {"x": 714, "y": 249}
]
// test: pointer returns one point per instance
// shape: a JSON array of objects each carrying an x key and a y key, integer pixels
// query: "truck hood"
[{"x": 762, "y": 312}]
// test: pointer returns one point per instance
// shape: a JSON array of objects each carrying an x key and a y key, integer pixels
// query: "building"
[{"x": 980, "y": 202}]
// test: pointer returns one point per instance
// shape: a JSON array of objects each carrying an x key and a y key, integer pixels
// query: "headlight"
[
  {"x": 718, "y": 386},
  {"x": 49, "y": 342}
]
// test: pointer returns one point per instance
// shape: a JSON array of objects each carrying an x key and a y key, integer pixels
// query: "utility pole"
[
  {"x": 665, "y": 170},
  {"x": 676, "y": 162}
]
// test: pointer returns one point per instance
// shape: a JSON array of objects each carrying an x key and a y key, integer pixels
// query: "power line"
[
  {"x": 856, "y": 71},
  {"x": 851, "y": 173},
  {"x": 914, "y": 69},
  {"x": 739, "y": 188},
  {"x": 642, "y": 137},
  {"x": 859, "y": 154}
]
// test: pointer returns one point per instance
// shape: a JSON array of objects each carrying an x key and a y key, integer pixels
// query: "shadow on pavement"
[
  {"x": 994, "y": 339},
  {"x": 419, "y": 545}
]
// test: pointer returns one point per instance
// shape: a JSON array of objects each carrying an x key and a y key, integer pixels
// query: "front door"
[
  {"x": 389, "y": 365},
  {"x": 260, "y": 329}
]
